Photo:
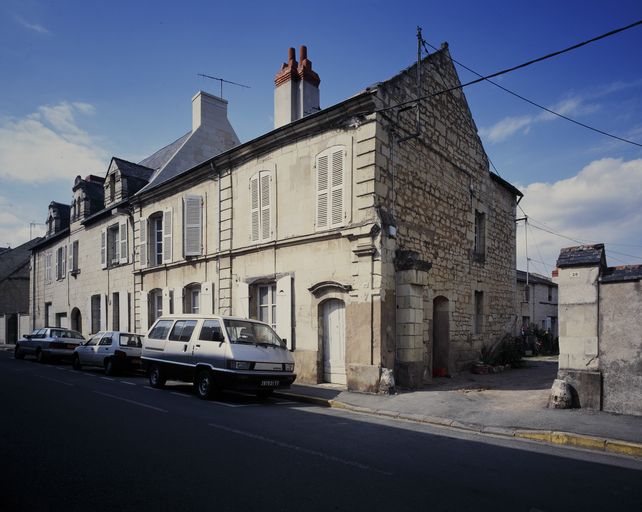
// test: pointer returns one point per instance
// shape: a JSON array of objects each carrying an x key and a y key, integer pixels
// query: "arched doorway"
[
  {"x": 76, "y": 320},
  {"x": 440, "y": 336},
  {"x": 332, "y": 320}
]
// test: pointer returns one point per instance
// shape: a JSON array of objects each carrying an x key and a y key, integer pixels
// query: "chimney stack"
[{"x": 296, "y": 93}]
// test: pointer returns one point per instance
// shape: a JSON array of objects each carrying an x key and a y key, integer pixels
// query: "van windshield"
[{"x": 240, "y": 331}]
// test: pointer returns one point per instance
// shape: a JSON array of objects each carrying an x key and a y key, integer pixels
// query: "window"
[
  {"x": 550, "y": 294},
  {"x": 527, "y": 293},
  {"x": 73, "y": 259},
  {"x": 93, "y": 341},
  {"x": 160, "y": 330},
  {"x": 266, "y": 304},
  {"x": 112, "y": 187},
  {"x": 61, "y": 262},
  {"x": 155, "y": 237},
  {"x": 192, "y": 226},
  {"x": 47, "y": 313},
  {"x": 211, "y": 331},
  {"x": 115, "y": 311},
  {"x": 330, "y": 210},
  {"x": 130, "y": 340},
  {"x": 192, "y": 298},
  {"x": 113, "y": 245},
  {"x": 95, "y": 313},
  {"x": 478, "y": 319},
  {"x": 479, "y": 250},
  {"x": 48, "y": 276},
  {"x": 182, "y": 330},
  {"x": 261, "y": 210},
  {"x": 106, "y": 339},
  {"x": 155, "y": 305},
  {"x": 157, "y": 240}
]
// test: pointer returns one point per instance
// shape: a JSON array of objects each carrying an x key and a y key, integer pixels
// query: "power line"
[
  {"x": 537, "y": 104},
  {"x": 514, "y": 68}
]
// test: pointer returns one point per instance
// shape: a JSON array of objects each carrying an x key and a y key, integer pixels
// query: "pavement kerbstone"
[
  {"x": 623, "y": 447},
  {"x": 591, "y": 442},
  {"x": 464, "y": 425},
  {"x": 500, "y": 431},
  {"x": 388, "y": 414},
  {"x": 535, "y": 435}
]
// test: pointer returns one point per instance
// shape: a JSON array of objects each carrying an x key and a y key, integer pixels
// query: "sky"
[{"x": 82, "y": 81}]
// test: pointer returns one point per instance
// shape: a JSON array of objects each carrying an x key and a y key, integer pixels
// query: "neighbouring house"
[
  {"x": 600, "y": 312},
  {"x": 536, "y": 302},
  {"x": 14, "y": 291},
  {"x": 370, "y": 234}
]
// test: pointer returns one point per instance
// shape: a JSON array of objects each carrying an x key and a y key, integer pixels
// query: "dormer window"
[{"x": 112, "y": 188}]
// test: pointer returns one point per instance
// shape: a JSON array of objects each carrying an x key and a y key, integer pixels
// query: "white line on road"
[
  {"x": 149, "y": 387},
  {"x": 127, "y": 382},
  {"x": 300, "y": 449},
  {"x": 55, "y": 380},
  {"x": 108, "y": 378},
  {"x": 130, "y": 401},
  {"x": 228, "y": 405},
  {"x": 180, "y": 394}
]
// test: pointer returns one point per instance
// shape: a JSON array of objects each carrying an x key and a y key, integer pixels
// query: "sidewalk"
[{"x": 512, "y": 403}]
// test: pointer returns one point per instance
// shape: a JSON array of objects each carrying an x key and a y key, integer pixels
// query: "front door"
[{"x": 334, "y": 341}]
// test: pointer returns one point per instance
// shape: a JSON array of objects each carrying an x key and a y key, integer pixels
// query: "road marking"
[
  {"x": 127, "y": 382},
  {"x": 130, "y": 401},
  {"x": 149, "y": 387},
  {"x": 107, "y": 378},
  {"x": 59, "y": 368},
  {"x": 180, "y": 394},
  {"x": 285, "y": 403},
  {"x": 300, "y": 449},
  {"x": 55, "y": 380},
  {"x": 227, "y": 405}
]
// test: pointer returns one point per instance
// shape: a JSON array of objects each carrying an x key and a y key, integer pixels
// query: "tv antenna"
[{"x": 222, "y": 80}]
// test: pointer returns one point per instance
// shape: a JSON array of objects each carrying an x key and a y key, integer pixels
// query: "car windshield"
[{"x": 242, "y": 331}]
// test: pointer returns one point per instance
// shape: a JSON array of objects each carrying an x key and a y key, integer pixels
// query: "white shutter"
[
  {"x": 56, "y": 272},
  {"x": 207, "y": 304},
  {"x": 103, "y": 248},
  {"x": 122, "y": 229},
  {"x": 284, "y": 309},
  {"x": 167, "y": 293},
  {"x": 336, "y": 198},
  {"x": 167, "y": 236},
  {"x": 323, "y": 186},
  {"x": 254, "y": 208},
  {"x": 266, "y": 225},
  {"x": 63, "y": 273},
  {"x": 193, "y": 225},
  {"x": 142, "y": 313},
  {"x": 70, "y": 254},
  {"x": 242, "y": 302},
  {"x": 142, "y": 246},
  {"x": 103, "y": 311},
  {"x": 123, "y": 312}
]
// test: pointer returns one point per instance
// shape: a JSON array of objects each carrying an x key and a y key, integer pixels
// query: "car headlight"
[
  {"x": 289, "y": 367},
  {"x": 239, "y": 365}
]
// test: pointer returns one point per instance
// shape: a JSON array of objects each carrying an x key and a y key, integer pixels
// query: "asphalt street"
[{"x": 80, "y": 441}]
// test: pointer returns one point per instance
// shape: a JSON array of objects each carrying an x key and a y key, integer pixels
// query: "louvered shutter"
[
  {"x": 71, "y": 257},
  {"x": 167, "y": 236},
  {"x": 192, "y": 225},
  {"x": 254, "y": 208},
  {"x": 142, "y": 246},
  {"x": 122, "y": 228},
  {"x": 63, "y": 273},
  {"x": 336, "y": 198},
  {"x": 103, "y": 248},
  {"x": 266, "y": 226},
  {"x": 56, "y": 271},
  {"x": 322, "y": 191}
]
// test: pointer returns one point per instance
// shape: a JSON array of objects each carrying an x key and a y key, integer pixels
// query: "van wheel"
[
  {"x": 76, "y": 363},
  {"x": 40, "y": 357},
  {"x": 17, "y": 353},
  {"x": 109, "y": 366},
  {"x": 157, "y": 377},
  {"x": 204, "y": 384}
]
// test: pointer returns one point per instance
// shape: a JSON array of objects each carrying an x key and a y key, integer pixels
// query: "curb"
[{"x": 586, "y": 442}]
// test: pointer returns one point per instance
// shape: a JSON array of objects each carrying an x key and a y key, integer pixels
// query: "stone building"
[
  {"x": 536, "y": 303},
  {"x": 600, "y": 311},
  {"x": 370, "y": 234}
]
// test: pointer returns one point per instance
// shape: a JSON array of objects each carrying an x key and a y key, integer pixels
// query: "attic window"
[{"x": 112, "y": 187}]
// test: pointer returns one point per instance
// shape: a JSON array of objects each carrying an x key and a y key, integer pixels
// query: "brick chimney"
[{"x": 296, "y": 92}]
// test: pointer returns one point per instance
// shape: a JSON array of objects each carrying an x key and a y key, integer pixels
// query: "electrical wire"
[{"x": 550, "y": 111}]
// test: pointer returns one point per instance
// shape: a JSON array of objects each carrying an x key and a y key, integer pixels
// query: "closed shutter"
[
  {"x": 103, "y": 248},
  {"x": 56, "y": 269},
  {"x": 322, "y": 191},
  {"x": 63, "y": 273},
  {"x": 254, "y": 208},
  {"x": 167, "y": 236},
  {"x": 284, "y": 309},
  {"x": 122, "y": 228},
  {"x": 71, "y": 256},
  {"x": 336, "y": 200},
  {"x": 242, "y": 302},
  {"x": 266, "y": 226},
  {"x": 207, "y": 298},
  {"x": 142, "y": 246},
  {"x": 192, "y": 225}
]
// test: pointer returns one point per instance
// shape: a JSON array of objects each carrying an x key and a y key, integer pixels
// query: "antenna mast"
[{"x": 221, "y": 80}]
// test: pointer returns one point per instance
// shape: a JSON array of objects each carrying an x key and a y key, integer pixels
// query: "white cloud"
[
  {"x": 49, "y": 145},
  {"x": 14, "y": 229},
  {"x": 36, "y": 27},
  {"x": 602, "y": 203}
]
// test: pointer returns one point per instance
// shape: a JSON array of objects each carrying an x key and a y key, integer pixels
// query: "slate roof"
[
  {"x": 622, "y": 273},
  {"x": 534, "y": 278},
  {"x": 14, "y": 259},
  {"x": 132, "y": 170},
  {"x": 582, "y": 256},
  {"x": 163, "y": 155}
]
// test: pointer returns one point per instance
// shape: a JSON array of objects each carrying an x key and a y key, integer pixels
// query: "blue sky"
[{"x": 82, "y": 81}]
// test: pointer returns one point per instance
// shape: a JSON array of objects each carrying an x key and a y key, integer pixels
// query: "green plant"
[{"x": 508, "y": 350}]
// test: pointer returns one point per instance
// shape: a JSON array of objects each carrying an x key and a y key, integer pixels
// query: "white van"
[{"x": 217, "y": 352}]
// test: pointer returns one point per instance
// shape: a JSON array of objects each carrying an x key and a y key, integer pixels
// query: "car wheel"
[
  {"x": 157, "y": 377},
  {"x": 204, "y": 384},
  {"x": 76, "y": 363},
  {"x": 40, "y": 357},
  {"x": 17, "y": 353},
  {"x": 109, "y": 366}
]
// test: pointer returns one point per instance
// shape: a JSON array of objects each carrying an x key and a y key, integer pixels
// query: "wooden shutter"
[
  {"x": 103, "y": 248},
  {"x": 122, "y": 229},
  {"x": 167, "y": 236},
  {"x": 336, "y": 198},
  {"x": 71, "y": 264},
  {"x": 193, "y": 225},
  {"x": 56, "y": 270},
  {"x": 63, "y": 273},
  {"x": 266, "y": 225},
  {"x": 242, "y": 302},
  {"x": 254, "y": 208},
  {"x": 322, "y": 191},
  {"x": 207, "y": 299},
  {"x": 284, "y": 309},
  {"x": 142, "y": 246}
]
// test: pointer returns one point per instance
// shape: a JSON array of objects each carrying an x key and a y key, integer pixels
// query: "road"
[{"x": 80, "y": 441}]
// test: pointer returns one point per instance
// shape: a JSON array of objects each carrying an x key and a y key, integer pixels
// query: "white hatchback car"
[{"x": 113, "y": 350}]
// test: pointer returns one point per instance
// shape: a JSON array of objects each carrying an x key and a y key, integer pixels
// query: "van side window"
[
  {"x": 182, "y": 330},
  {"x": 160, "y": 330},
  {"x": 211, "y": 331}
]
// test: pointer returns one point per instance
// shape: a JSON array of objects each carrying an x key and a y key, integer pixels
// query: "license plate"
[{"x": 271, "y": 383}]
